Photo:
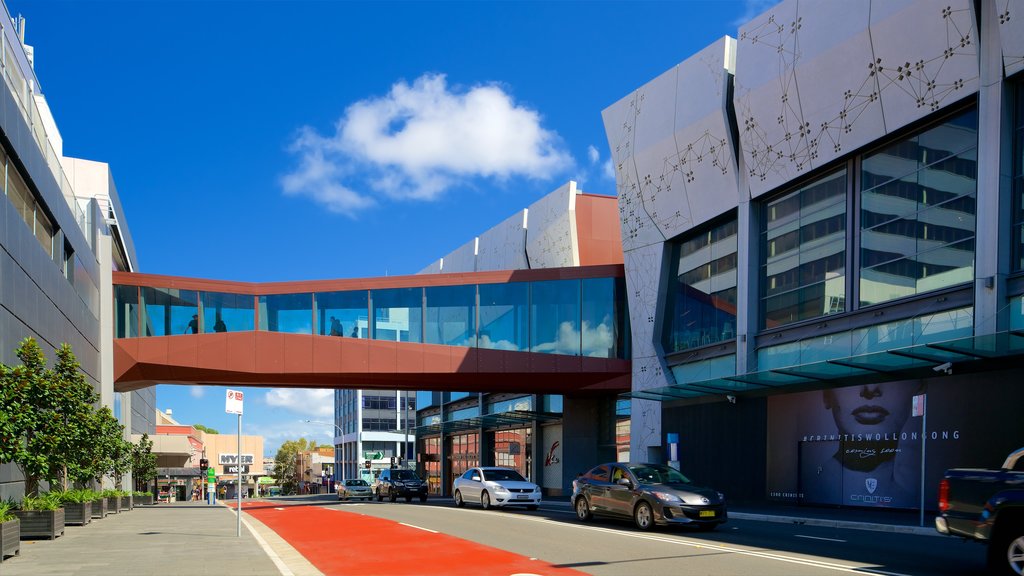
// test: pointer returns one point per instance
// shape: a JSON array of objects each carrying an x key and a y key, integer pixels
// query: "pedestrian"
[
  {"x": 219, "y": 325},
  {"x": 193, "y": 325},
  {"x": 336, "y": 328}
]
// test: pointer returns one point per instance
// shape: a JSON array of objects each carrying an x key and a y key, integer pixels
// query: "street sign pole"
[{"x": 238, "y": 527}]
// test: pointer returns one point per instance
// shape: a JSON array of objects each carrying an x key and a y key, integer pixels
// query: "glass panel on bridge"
[
  {"x": 126, "y": 311},
  {"x": 398, "y": 314},
  {"x": 168, "y": 311},
  {"x": 555, "y": 317},
  {"x": 504, "y": 316},
  {"x": 292, "y": 313},
  {"x": 343, "y": 313},
  {"x": 450, "y": 315},
  {"x": 603, "y": 318},
  {"x": 223, "y": 312}
]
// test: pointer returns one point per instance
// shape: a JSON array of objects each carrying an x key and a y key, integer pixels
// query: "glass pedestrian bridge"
[{"x": 401, "y": 331}]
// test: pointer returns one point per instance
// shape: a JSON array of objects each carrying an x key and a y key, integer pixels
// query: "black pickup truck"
[{"x": 987, "y": 506}]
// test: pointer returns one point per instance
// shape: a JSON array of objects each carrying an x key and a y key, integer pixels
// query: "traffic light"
[
  {"x": 367, "y": 464},
  {"x": 204, "y": 464}
]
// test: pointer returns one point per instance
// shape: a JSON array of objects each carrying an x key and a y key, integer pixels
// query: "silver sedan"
[
  {"x": 490, "y": 486},
  {"x": 354, "y": 488}
]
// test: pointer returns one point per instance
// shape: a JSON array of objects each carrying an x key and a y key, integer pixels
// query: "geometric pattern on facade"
[
  {"x": 551, "y": 230},
  {"x": 1011, "y": 34},
  {"x": 462, "y": 259},
  {"x": 670, "y": 175},
  {"x": 503, "y": 247},
  {"x": 797, "y": 103}
]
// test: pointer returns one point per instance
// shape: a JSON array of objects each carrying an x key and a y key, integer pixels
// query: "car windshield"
[
  {"x": 403, "y": 475},
  {"x": 356, "y": 483},
  {"x": 499, "y": 475},
  {"x": 655, "y": 474}
]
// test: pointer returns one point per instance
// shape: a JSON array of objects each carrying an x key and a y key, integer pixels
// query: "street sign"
[
  {"x": 378, "y": 455},
  {"x": 211, "y": 475},
  {"x": 918, "y": 405},
  {"x": 234, "y": 469},
  {"x": 226, "y": 458},
  {"x": 233, "y": 404}
]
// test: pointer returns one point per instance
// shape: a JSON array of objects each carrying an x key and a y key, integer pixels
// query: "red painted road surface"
[{"x": 338, "y": 542}]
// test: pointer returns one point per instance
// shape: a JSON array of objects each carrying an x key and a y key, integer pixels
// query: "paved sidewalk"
[{"x": 161, "y": 540}]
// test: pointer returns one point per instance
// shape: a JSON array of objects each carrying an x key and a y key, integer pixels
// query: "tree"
[
  {"x": 206, "y": 429},
  {"x": 74, "y": 400},
  {"x": 143, "y": 463},
  {"x": 286, "y": 472},
  {"x": 31, "y": 423}
]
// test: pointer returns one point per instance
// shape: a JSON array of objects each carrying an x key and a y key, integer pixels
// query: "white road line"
[
  {"x": 819, "y": 538},
  {"x": 268, "y": 550},
  {"x": 703, "y": 545},
  {"x": 418, "y": 527}
]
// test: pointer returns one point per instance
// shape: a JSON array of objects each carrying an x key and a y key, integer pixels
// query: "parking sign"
[{"x": 234, "y": 402}]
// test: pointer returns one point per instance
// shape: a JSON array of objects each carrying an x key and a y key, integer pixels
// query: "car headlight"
[
  {"x": 500, "y": 488},
  {"x": 667, "y": 497}
]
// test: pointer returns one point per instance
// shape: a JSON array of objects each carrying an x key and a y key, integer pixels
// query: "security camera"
[
  {"x": 731, "y": 399},
  {"x": 947, "y": 368}
]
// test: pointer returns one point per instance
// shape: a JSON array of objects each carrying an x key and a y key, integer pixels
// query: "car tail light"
[{"x": 943, "y": 495}]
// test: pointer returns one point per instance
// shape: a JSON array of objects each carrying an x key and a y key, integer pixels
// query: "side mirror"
[
  {"x": 475, "y": 478},
  {"x": 625, "y": 482}
]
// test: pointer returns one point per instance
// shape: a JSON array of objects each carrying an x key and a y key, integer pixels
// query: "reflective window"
[
  {"x": 552, "y": 403},
  {"x": 292, "y": 313},
  {"x": 169, "y": 311},
  {"x": 453, "y": 396},
  {"x": 223, "y": 312},
  {"x": 603, "y": 315},
  {"x": 917, "y": 212},
  {"x": 705, "y": 369},
  {"x": 450, "y": 317},
  {"x": 425, "y": 399},
  {"x": 343, "y": 313},
  {"x": 1018, "y": 177},
  {"x": 702, "y": 302},
  {"x": 462, "y": 413},
  {"x": 126, "y": 311},
  {"x": 803, "y": 256},
  {"x": 504, "y": 316},
  {"x": 398, "y": 314},
  {"x": 524, "y": 403},
  {"x": 555, "y": 317}
]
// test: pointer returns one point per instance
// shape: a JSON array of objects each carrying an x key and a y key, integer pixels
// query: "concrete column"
[
  {"x": 747, "y": 288},
  {"x": 106, "y": 343},
  {"x": 583, "y": 448},
  {"x": 995, "y": 164}
]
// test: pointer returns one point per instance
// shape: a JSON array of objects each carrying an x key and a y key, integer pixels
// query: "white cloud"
[
  {"x": 593, "y": 154},
  {"x": 596, "y": 341},
  {"x": 281, "y": 430},
  {"x": 607, "y": 170},
  {"x": 196, "y": 391},
  {"x": 307, "y": 402},
  {"x": 752, "y": 8},
  {"x": 420, "y": 140}
]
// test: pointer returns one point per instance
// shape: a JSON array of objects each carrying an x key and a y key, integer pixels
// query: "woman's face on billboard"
[{"x": 871, "y": 408}]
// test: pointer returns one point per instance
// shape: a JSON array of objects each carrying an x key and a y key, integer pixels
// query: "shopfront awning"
[
  {"x": 970, "y": 354},
  {"x": 512, "y": 419}
]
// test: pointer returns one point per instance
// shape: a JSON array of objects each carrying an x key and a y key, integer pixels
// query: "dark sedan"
[{"x": 649, "y": 494}]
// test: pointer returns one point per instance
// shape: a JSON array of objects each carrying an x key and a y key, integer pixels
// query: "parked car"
[
  {"x": 648, "y": 494},
  {"x": 354, "y": 488},
  {"x": 491, "y": 486},
  {"x": 987, "y": 506},
  {"x": 394, "y": 483}
]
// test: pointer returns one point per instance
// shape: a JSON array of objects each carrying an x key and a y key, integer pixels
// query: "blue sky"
[{"x": 267, "y": 141}]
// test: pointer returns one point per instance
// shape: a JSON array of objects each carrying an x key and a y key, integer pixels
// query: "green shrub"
[
  {"x": 49, "y": 501},
  {"x": 76, "y": 496},
  {"x": 110, "y": 493},
  {"x": 5, "y": 512},
  {"x": 141, "y": 494}
]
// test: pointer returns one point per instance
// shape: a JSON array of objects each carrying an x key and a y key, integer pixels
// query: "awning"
[
  {"x": 498, "y": 420},
  {"x": 970, "y": 354},
  {"x": 175, "y": 472}
]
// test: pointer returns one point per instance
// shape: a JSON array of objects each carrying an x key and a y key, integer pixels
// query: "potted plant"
[
  {"x": 77, "y": 506},
  {"x": 99, "y": 505},
  {"x": 10, "y": 532},
  {"x": 41, "y": 517},
  {"x": 143, "y": 498},
  {"x": 113, "y": 498},
  {"x": 126, "y": 500}
]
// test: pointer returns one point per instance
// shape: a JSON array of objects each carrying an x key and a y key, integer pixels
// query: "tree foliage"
[
  {"x": 143, "y": 462},
  {"x": 286, "y": 468},
  {"x": 206, "y": 429}
]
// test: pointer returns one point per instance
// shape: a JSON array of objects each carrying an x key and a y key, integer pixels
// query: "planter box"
[
  {"x": 113, "y": 504},
  {"x": 79, "y": 514},
  {"x": 144, "y": 500},
  {"x": 10, "y": 539},
  {"x": 99, "y": 508},
  {"x": 47, "y": 524},
  {"x": 126, "y": 503}
]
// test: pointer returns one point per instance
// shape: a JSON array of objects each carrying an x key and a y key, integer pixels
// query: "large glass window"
[
  {"x": 918, "y": 212},
  {"x": 126, "y": 311},
  {"x": 223, "y": 312},
  {"x": 555, "y": 317},
  {"x": 524, "y": 403},
  {"x": 702, "y": 305},
  {"x": 450, "y": 317},
  {"x": 603, "y": 314},
  {"x": 291, "y": 313},
  {"x": 343, "y": 313},
  {"x": 1018, "y": 177},
  {"x": 169, "y": 311},
  {"x": 504, "y": 316},
  {"x": 803, "y": 262},
  {"x": 398, "y": 314}
]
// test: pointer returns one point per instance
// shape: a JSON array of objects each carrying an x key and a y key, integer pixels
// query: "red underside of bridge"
[{"x": 304, "y": 361}]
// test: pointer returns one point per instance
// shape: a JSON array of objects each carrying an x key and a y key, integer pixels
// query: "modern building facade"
[
  {"x": 375, "y": 428},
  {"x": 459, "y": 430},
  {"x": 821, "y": 226},
  {"x": 62, "y": 232}
]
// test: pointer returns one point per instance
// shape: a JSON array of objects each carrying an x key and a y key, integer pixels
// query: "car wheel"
[
  {"x": 583, "y": 509},
  {"x": 393, "y": 496},
  {"x": 1006, "y": 551},
  {"x": 485, "y": 500},
  {"x": 380, "y": 497},
  {"x": 423, "y": 498},
  {"x": 643, "y": 516},
  {"x": 458, "y": 500},
  {"x": 532, "y": 506}
]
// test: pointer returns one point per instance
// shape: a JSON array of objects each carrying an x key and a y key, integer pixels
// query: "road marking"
[
  {"x": 819, "y": 538},
  {"x": 418, "y": 527},
  {"x": 718, "y": 547},
  {"x": 268, "y": 550}
]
